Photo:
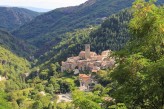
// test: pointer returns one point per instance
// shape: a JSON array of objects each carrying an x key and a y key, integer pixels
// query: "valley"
[{"x": 102, "y": 54}]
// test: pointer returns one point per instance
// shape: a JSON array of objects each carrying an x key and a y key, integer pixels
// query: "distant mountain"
[
  {"x": 46, "y": 27},
  {"x": 48, "y": 30},
  {"x": 113, "y": 34},
  {"x": 38, "y": 9},
  {"x": 13, "y": 17},
  {"x": 15, "y": 45}
]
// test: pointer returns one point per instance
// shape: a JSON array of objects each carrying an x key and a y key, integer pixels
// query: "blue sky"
[{"x": 45, "y": 4}]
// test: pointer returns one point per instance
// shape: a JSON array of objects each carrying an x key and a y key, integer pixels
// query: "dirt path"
[{"x": 64, "y": 97}]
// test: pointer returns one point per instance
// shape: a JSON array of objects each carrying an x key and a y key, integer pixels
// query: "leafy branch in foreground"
[{"x": 139, "y": 75}]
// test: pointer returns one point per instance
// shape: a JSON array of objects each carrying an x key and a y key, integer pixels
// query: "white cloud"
[{"x": 47, "y": 4}]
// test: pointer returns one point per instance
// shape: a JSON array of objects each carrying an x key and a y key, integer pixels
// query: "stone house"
[{"x": 87, "y": 60}]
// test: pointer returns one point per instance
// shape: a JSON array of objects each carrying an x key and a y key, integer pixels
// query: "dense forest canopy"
[
  {"x": 13, "y": 17},
  {"x": 112, "y": 34},
  {"x": 139, "y": 75},
  {"x": 16, "y": 45},
  {"x": 50, "y": 25},
  {"x": 136, "y": 37}
]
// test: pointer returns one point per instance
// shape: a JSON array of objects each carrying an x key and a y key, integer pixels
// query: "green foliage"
[
  {"x": 37, "y": 105},
  {"x": 114, "y": 32},
  {"x": 136, "y": 81},
  {"x": 16, "y": 45},
  {"x": 10, "y": 63},
  {"x": 3, "y": 102},
  {"x": 139, "y": 74},
  {"x": 118, "y": 106},
  {"x": 13, "y": 67},
  {"x": 86, "y": 100},
  {"x": 64, "y": 105},
  {"x": 147, "y": 30},
  {"x": 66, "y": 85},
  {"x": 39, "y": 87},
  {"x": 48, "y": 26},
  {"x": 68, "y": 46},
  {"x": 100, "y": 90}
]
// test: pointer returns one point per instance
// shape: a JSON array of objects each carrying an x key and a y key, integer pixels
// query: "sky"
[{"x": 45, "y": 4}]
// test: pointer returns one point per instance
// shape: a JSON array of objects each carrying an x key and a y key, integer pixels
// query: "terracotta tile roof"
[
  {"x": 82, "y": 53},
  {"x": 95, "y": 71},
  {"x": 84, "y": 77}
]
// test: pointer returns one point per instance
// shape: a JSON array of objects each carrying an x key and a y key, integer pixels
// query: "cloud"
[{"x": 48, "y": 4}]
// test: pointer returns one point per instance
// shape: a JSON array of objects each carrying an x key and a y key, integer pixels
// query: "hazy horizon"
[{"x": 41, "y": 4}]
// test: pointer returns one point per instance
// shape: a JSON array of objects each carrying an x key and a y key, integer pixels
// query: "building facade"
[
  {"x": 86, "y": 82},
  {"x": 88, "y": 60}
]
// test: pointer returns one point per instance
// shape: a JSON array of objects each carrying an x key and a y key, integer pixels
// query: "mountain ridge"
[
  {"x": 15, "y": 45},
  {"x": 113, "y": 32},
  {"x": 14, "y": 17},
  {"x": 47, "y": 26}
]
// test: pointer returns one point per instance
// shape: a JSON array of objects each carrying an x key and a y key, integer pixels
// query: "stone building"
[
  {"x": 86, "y": 82},
  {"x": 88, "y": 60},
  {"x": 87, "y": 51}
]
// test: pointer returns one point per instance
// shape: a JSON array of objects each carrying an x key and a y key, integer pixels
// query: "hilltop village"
[{"x": 88, "y": 61}]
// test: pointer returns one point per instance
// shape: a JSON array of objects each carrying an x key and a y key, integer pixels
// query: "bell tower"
[{"x": 87, "y": 51}]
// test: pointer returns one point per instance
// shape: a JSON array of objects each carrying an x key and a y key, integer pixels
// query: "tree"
[
  {"x": 84, "y": 101},
  {"x": 100, "y": 89},
  {"x": 66, "y": 85},
  {"x": 3, "y": 102},
  {"x": 37, "y": 105},
  {"x": 55, "y": 84},
  {"x": 65, "y": 105},
  {"x": 118, "y": 106},
  {"x": 44, "y": 74},
  {"x": 49, "y": 89},
  {"x": 50, "y": 106},
  {"x": 139, "y": 74},
  {"x": 147, "y": 28},
  {"x": 40, "y": 87}
]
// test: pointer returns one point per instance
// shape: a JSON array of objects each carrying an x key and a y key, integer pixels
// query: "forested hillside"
[
  {"x": 71, "y": 44},
  {"x": 112, "y": 34},
  {"x": 49, "y": 25},
  {"x": 134, "y": 81},
  {"x": 11, "y": 63},
  {"x": 12, "y": 68},
  {"x": 15, "y": 44},
  {"x": 12, "y": 17},
  {"x": 139, "y": 75},
  {"x": 46, "y": 30},
  {"x": 137, "y": 79}
]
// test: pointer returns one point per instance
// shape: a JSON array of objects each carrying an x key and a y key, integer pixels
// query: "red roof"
[
  {"x": 84, "y": 77},
  {"x": 94, "y": 71}
]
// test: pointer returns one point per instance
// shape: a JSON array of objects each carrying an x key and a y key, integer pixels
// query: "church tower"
[{"x": 87, "y": 51}]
